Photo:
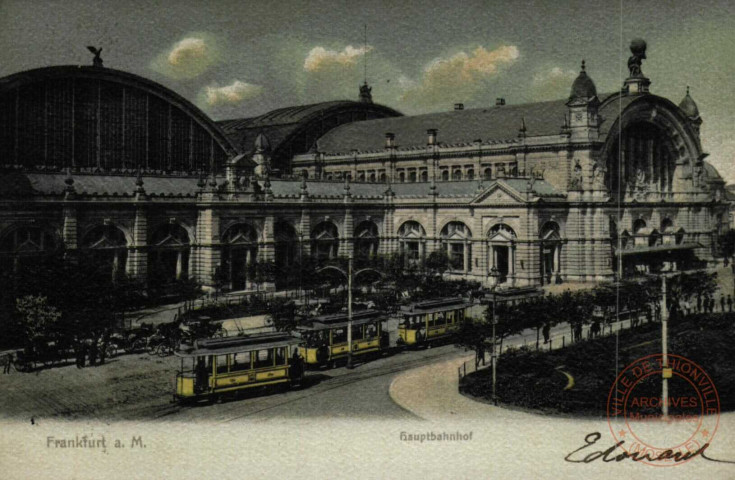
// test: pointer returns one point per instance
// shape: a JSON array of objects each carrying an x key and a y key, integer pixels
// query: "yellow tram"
[
  {"x": 325, "y": 336},
  {"x": 428, "y": 321},
  {"x": 228, "y": 365}
]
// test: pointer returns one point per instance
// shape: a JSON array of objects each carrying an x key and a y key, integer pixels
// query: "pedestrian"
[
  {"x": 82, "y": 354},
  {"x": 729, "y": 303},
  {"x": 93, "y": 351},
  {"x": 546, "y": 330},
  {"x": 8, "y": 363},
  {"x": 722, "y": 303}
]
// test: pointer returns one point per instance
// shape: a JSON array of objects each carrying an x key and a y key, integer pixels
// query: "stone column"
[
  {"x": 209, "y": 255},
  {"x": 137, "y": 252},
  {"x": 305, "y": 233},
  {"x": 269, "y": 253},
  {"x": 348, "y": 244}
]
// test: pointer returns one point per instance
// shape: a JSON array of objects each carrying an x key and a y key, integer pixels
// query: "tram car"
[
  {"x": 228, "y": 365},
  {"x": 431, "y": 321},
  {"x": 325, "y": 337}
]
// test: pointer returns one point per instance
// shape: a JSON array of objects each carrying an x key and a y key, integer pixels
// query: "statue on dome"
[{"x": 638, "y": 49}]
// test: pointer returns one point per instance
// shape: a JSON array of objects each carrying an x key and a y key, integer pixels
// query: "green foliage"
[
  {"x": 437, "y": 262},
  {"x": 283, "y": 314},
  {"x": 37, "y": 317},
  {"x": 727, "y": 243}
]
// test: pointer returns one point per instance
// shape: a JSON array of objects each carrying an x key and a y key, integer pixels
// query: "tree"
[
  {"x": 727, "y": 243},
  {"x": 37, "y": 317},
  {"x": 282, "y": 313},
  {"x": 437, "y": 262}
]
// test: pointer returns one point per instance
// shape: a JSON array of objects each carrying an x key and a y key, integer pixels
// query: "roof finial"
[
  {"x": 69, "y": 181},
  {"x": 687, "y": 89},
  {"x": 583, "y": 67},
  {"x": 139, "y": 182},
  {"x": 522, "y": 130}
]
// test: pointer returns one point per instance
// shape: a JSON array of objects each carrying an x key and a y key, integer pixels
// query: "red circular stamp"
[{"x": 663, "y": 412}]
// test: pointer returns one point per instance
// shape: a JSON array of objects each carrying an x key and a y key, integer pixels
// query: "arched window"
[
  {"x": 638, "y": 225},
  {"x": 424, "y": 176},
  {"x": 457, "y": 175},
  {"x": 239, "y": 253},
  {"x": 445, "y": 175},
  {"x": 168, "y": 257},
  {"x": 106, "y": 247},
  {"x": 361, "y": 177},
  {"x": 366, "y": 240},
  {"x": 412, "y": 176},
  {"x": 26, "y": 245},
  {"x": 488, "y": 173},
  {"x": 305, "y": 173},
  {"x": 502, "y": 240},
  {"x": 412, "y": 239},
  {"x": 402, "y": 177},
  {"x": 383, "y": 177},
  {"x": 470, "y": 174},
  {"x": 325, "y": 241},
  {"x": 372, "y": 176},
  {"x": 550, "y": 252},
  {"x": 455, "y": 238}
]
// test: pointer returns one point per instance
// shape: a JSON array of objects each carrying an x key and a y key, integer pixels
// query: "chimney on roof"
[
  {"x": 431, "y": 134},
  {"x": 499, "y": 102},
  {"x": 390, "y": 140},
  {"x": 459, "y": 106}
]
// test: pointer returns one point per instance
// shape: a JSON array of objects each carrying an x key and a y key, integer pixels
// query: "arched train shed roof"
[
  {"x": 294, "y": 130},
  {"x": 136, "y": 117}
]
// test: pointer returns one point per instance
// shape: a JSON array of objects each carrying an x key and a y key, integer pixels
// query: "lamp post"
[
  {"x": 664, "y": 351},
  {"x": 349, "y": 312},
  {"x": 494, "y": 354}
]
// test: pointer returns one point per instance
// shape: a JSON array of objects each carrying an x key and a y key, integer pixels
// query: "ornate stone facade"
[{"x": 573, "y": 190}]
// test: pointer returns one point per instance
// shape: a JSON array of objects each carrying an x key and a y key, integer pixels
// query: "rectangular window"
[
  {"x": 281, "y": 356},
  {"x": 264, "y": 358},
  {"x": 339, "y": 335},
  {"x": 240, "y": 361},
  {"x": 371, "y": 330},
  {"x": 356, "y": 332},
  {"x": 222, "y": 363}
]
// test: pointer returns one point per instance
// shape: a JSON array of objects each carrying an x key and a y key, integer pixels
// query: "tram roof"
[
  {"x": 436, "y": 305},
  {"x": 337, "y": 320},
  {"x": 223, "y": 346}
]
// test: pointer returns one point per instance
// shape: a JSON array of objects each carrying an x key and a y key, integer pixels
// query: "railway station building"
[{"x": 102, "y": 163}]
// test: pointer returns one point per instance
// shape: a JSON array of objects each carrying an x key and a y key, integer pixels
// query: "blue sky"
[{"x": 243, "y": 58}]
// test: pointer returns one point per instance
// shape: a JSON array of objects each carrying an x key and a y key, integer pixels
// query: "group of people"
[
  {"x": 91, "y": 351},
  {"x": 704, "y": 304}
]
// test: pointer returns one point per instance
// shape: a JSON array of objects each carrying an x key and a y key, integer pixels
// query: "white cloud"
[
  {"x": 460, "y": 76},
  {"x": 188, "y": 58},
  {"x": 319, "y": 58},
  {"x": 231, "y": 94},
  {"x": 552, "y": 83}
]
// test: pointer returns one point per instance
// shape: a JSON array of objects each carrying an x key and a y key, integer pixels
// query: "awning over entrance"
[{"x": 660, "y": 249}]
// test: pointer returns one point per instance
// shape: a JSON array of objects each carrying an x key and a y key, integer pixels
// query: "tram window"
[
  {"x": 240, "y": 361},
  {"x": 441, "y": 318},
  {"x": 432, "y": 319},
  {"x": 371, "y": 330},
  {"x": 407, "y": 321},
  {"x": 264, "y": 358},
  {"x": 460, "y": 314},
  {"x": 221, "y": 363},
  {"x": 281, "y": 356},
  {"x": 339, "y": 335},
  {"x": 357, "y": 332}
]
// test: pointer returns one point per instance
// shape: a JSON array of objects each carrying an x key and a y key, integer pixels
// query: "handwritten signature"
[{"x": 608, "y": 455}]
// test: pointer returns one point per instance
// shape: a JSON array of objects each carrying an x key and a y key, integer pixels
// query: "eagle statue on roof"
[{"x": 97, "y": 61}]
